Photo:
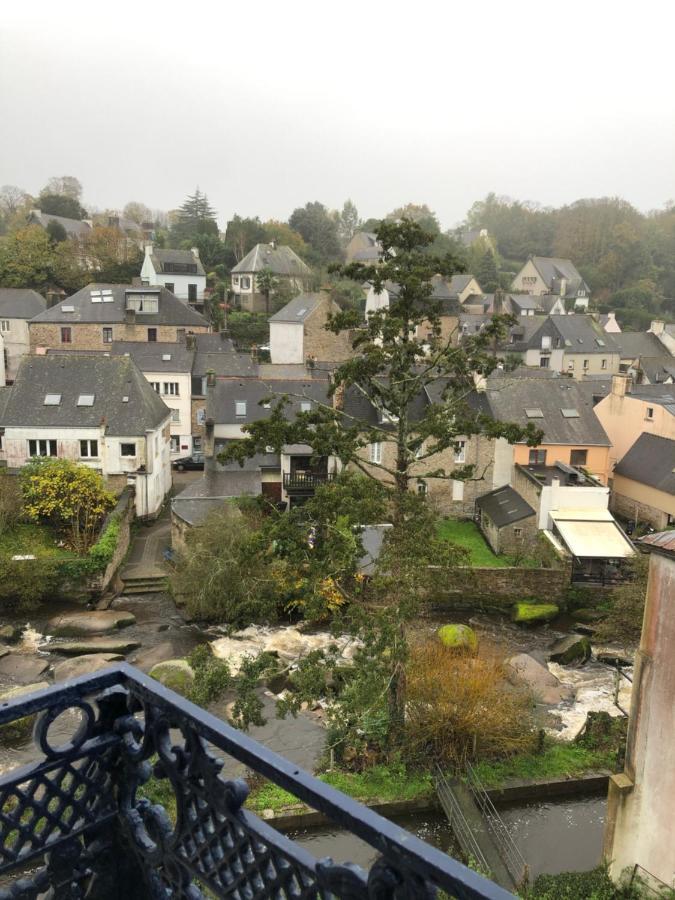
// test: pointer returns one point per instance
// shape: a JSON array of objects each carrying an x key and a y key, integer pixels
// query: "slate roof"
[
  {"x": 108, "y": 378},
  {"x": 73, "y": 227},
  {"x": 221, "y": 402},
  {"x": 178, "y": 257},
  {"x": 504, "y": 506},
  {"x": 20, "y": 303},
  {"x": 298, "y": 309},
  {"x": 635, "y": 344},
  {"x": 281, "y": 260},
  {"x": 458, "y": 283},
  {"x": 218, "y": 353},
  {"x": 509, "y": 398},
  {"x": 576, "y": 334},
  {"x": 151, "y": 356},
  {"x": 371, "y": 250},
  {"x": 552, "y": 269},
  {"x": 658, "y": 369},
  {"x": 171, "y": 310},
  {"x": 441, "y": 292},
  {"x": 650, "y": 461}
]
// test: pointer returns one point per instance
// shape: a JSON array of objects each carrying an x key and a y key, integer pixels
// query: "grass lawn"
[
  {"x": 36, "y": 539},
  {"x": 466, "y": 534},
  {"x": 559, "y": 760}
]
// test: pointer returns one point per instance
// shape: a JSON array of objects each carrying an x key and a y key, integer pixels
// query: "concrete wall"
[
  {"x": 321, "y": 344},
  {"x": 16, "y": 344},
  {"x": 639, "y": 824},
  {"x": 634, "y": 500},
  {"x": 287, "y": 342},
  {"x": 86, "y": 336},
  {"x": 125, "y": 513}
]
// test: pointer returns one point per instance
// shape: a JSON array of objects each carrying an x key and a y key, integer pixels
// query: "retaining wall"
[{"x": 496, "y": 590}]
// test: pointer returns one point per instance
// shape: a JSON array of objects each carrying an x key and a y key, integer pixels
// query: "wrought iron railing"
[
  {"x": 76, "y": 823},
  {"x": 305, "y": 481}
]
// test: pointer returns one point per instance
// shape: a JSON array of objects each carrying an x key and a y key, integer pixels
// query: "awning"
[{"x": 592, "y": 534}]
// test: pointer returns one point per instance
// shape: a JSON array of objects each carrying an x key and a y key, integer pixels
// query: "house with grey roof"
[
  {"x": 552, "y": 275},
  {"x": 17, "y": 307},
  {"x": 645, "y": 358},
  {"x": 74, "y": 228},
  {"x": 298, "y": 333},
  {"x": 96, "y": 410},
  {"x": 283, "y": 262},
  {"x": 179, "y": 271},
  {"x": 364, "y": 247},
  {"x": 508, "y": 522},
  {"x": 99, "y": 314},
  {"x": 574, "y": 345},
  {"x": 643, "y": 483}
]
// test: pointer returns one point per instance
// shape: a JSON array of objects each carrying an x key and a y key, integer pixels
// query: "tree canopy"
[
  {"x": 195, "y": 216},
  {"x": 318, "y": 228}
]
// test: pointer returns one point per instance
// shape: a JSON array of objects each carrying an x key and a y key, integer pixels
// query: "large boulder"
[
  {"x": 614, "y": 656},
  {"x": 575, "y": 649},
  {"x": 95, "y": 645},
  {"x": 176, "y": 674},
  {"x": 533, "y": 613},
  {"x": 84, "y": 665},
  {"x": 524, "y": 670},
  {"x": 10, "y": 634},
  {"x": 458, "y": 637},
  {"x": 23, "y": 667},
  {"x": 94, "y": 622},
  {"x": 20, "y": 729},
  {"x": 589, "y": 616}
]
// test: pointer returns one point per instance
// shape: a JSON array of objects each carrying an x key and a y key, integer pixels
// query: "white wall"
[
  {"x": 286, "y": 342},
  {"x": 182, "y": 403},
  {"x": 16, "y": 344},
  {"x": 555, "y": 497},
  {"x": 503, "y": 463},
  {"x": 376, "y": 301},
  {"x": 180, "y": 282}
]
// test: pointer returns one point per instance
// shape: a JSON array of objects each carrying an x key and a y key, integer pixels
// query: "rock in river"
[
  {"x": 523, "y": 669},
  {"x": 176, "y": 674},
  {"x": 571, "y": 650},
  {"x": 533, "y": 613},
  {"x": 10, "y": 634},
  {"x": 84, "y": 665},
  {"x": 96, "y": 645},
  {"x": 20, "y": 729},
  {"x": 22, "y": 667},
  {"x": 94, "y": 622}
]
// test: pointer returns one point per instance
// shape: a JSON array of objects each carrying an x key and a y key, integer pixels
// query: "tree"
[
  {"x": 349, "y": 222},
  {"x": 267, "y": 283},
  {"x": 241, "y": 235},
  {"x": 26, "y": 258},
  {"x": 195, "y": 216},
  {"x": 137, "y": 212},
  {"x": 67, "y": 495},
  {"x": 56, "y": 232},
  {"x": 12, "y": 199},
  {"x": 66, "y": 185},
  {"x": 61, "y": 205},
  {"x": 284, "y": 236},
  {"x": 486, "y": 271},
  {"x": 319, "y": 228},
  {"x": 212, "y": 251},
  {"x": 419, "y": 213},
  {"x": 111, "y": 256}
]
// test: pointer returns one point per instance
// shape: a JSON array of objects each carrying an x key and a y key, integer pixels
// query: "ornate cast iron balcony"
[{"x": 75, "y": 822}]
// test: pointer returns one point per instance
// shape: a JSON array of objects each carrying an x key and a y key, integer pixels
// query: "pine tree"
[
  {"x": 486, "y": 272},
  {"x": 195, "y": 216}
]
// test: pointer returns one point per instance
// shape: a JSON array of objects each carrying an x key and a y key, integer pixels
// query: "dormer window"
[
  {"x": 305, "y": 406},
  {"x": 546, "y": 342},
  {"x": 143, "y": 303}
]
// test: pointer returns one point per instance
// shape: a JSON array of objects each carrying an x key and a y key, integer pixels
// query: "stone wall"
[
  {"x": 496, "y": 590},
  {"x": 87, "y": 336},
  {"x": 125, "y": 511},
  {"x": 325, "y": 345}
]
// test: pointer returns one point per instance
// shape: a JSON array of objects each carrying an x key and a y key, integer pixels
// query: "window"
[
  {"x": 152, "y": 335},
  {"x": 240, "y": 408},
  {"x": 537, "y": 458},
  {"x": 192, "y": 292},
  {"x": 267, "y": 405},
  {"x": 570, "y": 365},
  {"x": 245, "y": 283},
  {"x": 517, "y": 532},
  {"x": 143, "y": 303},
  {"x": 603, "y": 363},
  {"x": 196, "y": 443},
  {"x": 66, "y": 335},
  {"x": 650, "y": 412},
  {"x": 235, "y": 279},
  {"x": 376, "y": 452},
  {"x": 175, "y": 416},
  {"x": 170, "y": 286},
  {"x": 578, "y": 457},
  {"x": 180, "y": 268},
  {"x": 457, "y": 490},
  {"x": 460, "y": 451},
  {"x": 171, "y": 388},
  {"x": 127, "y": 449},
  {"x": 533, "y": 412},
  {"x": 546, "y": 342},
  {"x": 422, "y": 487},
  {"x": 155, "y": 386},
  {"x": 52, "y": 399},
  {"x": 175, "y": 443},
  {"x": 305, "y": 406},
  {"x": 545, "y": 362},
  {"x": 86, "y": 400},
  {"x": 107, "y": 335},
  {"x": 41, "y": 447},
  {"x": 4, "y": 324},
  {"x": 88, "y": 449},
  {"x": 585, "y": 365}
]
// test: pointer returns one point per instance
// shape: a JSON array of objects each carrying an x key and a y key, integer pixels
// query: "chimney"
[
  {"x": 657, "y": 327},
  {"x": 273, "y": 245},
  {"x": 498, "y": 302},
  {"x": 209, "y": 424},
  {"x": 148, "y": 249},
  {"x": 52, "y": 298},
  {"x": 480, "y": 382},
  {"x": 191, "y": 341},
  {"x": 195, "y": 252},
  {"x": 620, "y": 385}
]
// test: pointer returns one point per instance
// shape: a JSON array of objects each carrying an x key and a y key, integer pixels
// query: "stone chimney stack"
[
  {"x": 498, "y": 302},
  {"x": 195, "y": 252},
  {"x": 339, "y": 396},
  {"x": 657, "y": 327},
  {"x": 620, "y": 385},
  {"x": 52, "y": 298},
  {"x": 209, "y": 423}
]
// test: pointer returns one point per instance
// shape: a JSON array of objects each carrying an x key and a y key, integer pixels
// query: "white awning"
[{"x": 590, "y": 537}]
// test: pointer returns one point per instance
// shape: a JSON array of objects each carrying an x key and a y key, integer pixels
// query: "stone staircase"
[{"x": 139, "y": 581}]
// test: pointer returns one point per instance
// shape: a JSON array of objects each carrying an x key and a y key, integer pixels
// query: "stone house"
[
  {"x": 508, "y": 522},
  {"x": 283, "y": 262},
  {"x": 552, "y": 275},
  {"x": 96, "y": 410},
  {"x": 99, "y": 314},
  {"x": 643, "y": 483},
  {"x": 17, "y": 307},
  {"x": 442, "y": 292},
  {"x": 364, "y": 247},
  {"x": 74, "y": 228},
  {"x": 179, "y": 271},
  {"x": 298, "y": 332}
]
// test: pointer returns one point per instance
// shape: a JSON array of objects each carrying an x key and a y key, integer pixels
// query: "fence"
[{"x": 458, "y": 822}]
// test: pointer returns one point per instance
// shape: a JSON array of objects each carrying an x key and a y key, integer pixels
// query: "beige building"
[
  {"x": 573, "y": 345},
  {"x": 643, "y": 485},
  {"x": 102, "y": 313},
  {"x": 17, "y": 307},
  {"x": 282, "y": 262},
  {"x": 552, "y": 275},
  {"x": 631, "y": 410}
]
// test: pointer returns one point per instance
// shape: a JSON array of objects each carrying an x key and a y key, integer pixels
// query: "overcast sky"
[{"x": 267, "y": 105}]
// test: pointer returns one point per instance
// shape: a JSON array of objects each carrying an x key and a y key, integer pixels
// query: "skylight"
[
  {"x": 600, "y": 342},
  {"x": 52, "y": 399},
  {"x": 95, "y": 296},
  {"x": 68, "y": 308},
  {"x": 166, "y": 357},
  {"x": 570, "y": 413},
  {"x": 85, "y": 400},
  {"x": 534, "y": 413},
  {"x": 301, "y": 312},
  {"x": 107, "y": 296}
]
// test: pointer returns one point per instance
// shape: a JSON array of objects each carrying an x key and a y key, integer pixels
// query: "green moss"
[
  {"x": 593, "y": 885},
  {"x": 175, "y": 674},
  {"x": 557, "y": 761},
  {"x": 534, "y": 612},
  {"x": 458, "y": 636}
]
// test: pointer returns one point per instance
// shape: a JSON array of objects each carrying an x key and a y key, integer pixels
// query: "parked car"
[{"x": 196, "y": 461}]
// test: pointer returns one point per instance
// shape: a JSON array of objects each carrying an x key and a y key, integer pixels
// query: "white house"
[
  {"x": 179, "y": 271},
  {"x": 168, "y": 368},
  {"x": 17, "y": 307},
  {"x": 96, "y": 410}
]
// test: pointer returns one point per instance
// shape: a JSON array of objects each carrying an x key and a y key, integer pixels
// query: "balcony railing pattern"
[
  {"x": 79, "y": 813},
  {"x": 305, "y": 482}
]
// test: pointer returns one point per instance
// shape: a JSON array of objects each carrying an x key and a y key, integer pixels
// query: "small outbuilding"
[{"x": 508, "y": 522}]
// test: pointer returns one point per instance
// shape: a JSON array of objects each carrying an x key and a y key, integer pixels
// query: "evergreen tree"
[
  {"x": 195, "y": 216},
  {"x": 486, "y": 272}
]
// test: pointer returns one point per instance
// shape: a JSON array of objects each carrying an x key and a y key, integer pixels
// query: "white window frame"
[
  {"x": 171, "y": 389},
  {"x": 175, "y": 443},
  {"x": 376, "y": 452},
  {"x": 87, "y": 443},
  {"x": 4, "y": 325},
  {"x": 240, "y": 409},
  {"x": 175, "y": 417},
  {"x": 46, "y": 444},
  {"x": 460, "y": 455},
  {"x": 457, "y": 490}
]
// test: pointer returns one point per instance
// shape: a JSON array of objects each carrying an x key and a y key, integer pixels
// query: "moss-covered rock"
[
  {"x": 20, "y": 729},
  {"x": 589, "y": 616},
  {"x": 575, "y": 649},
  {"x": 10, "y": 634},
  {"x": 533, "y": 613},
  {"x": 176, "y": 674},
  {"x": 458, "y": 637}
]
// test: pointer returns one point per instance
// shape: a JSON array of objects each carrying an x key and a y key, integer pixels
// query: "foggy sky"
[{"x": 267, "y": 105}]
